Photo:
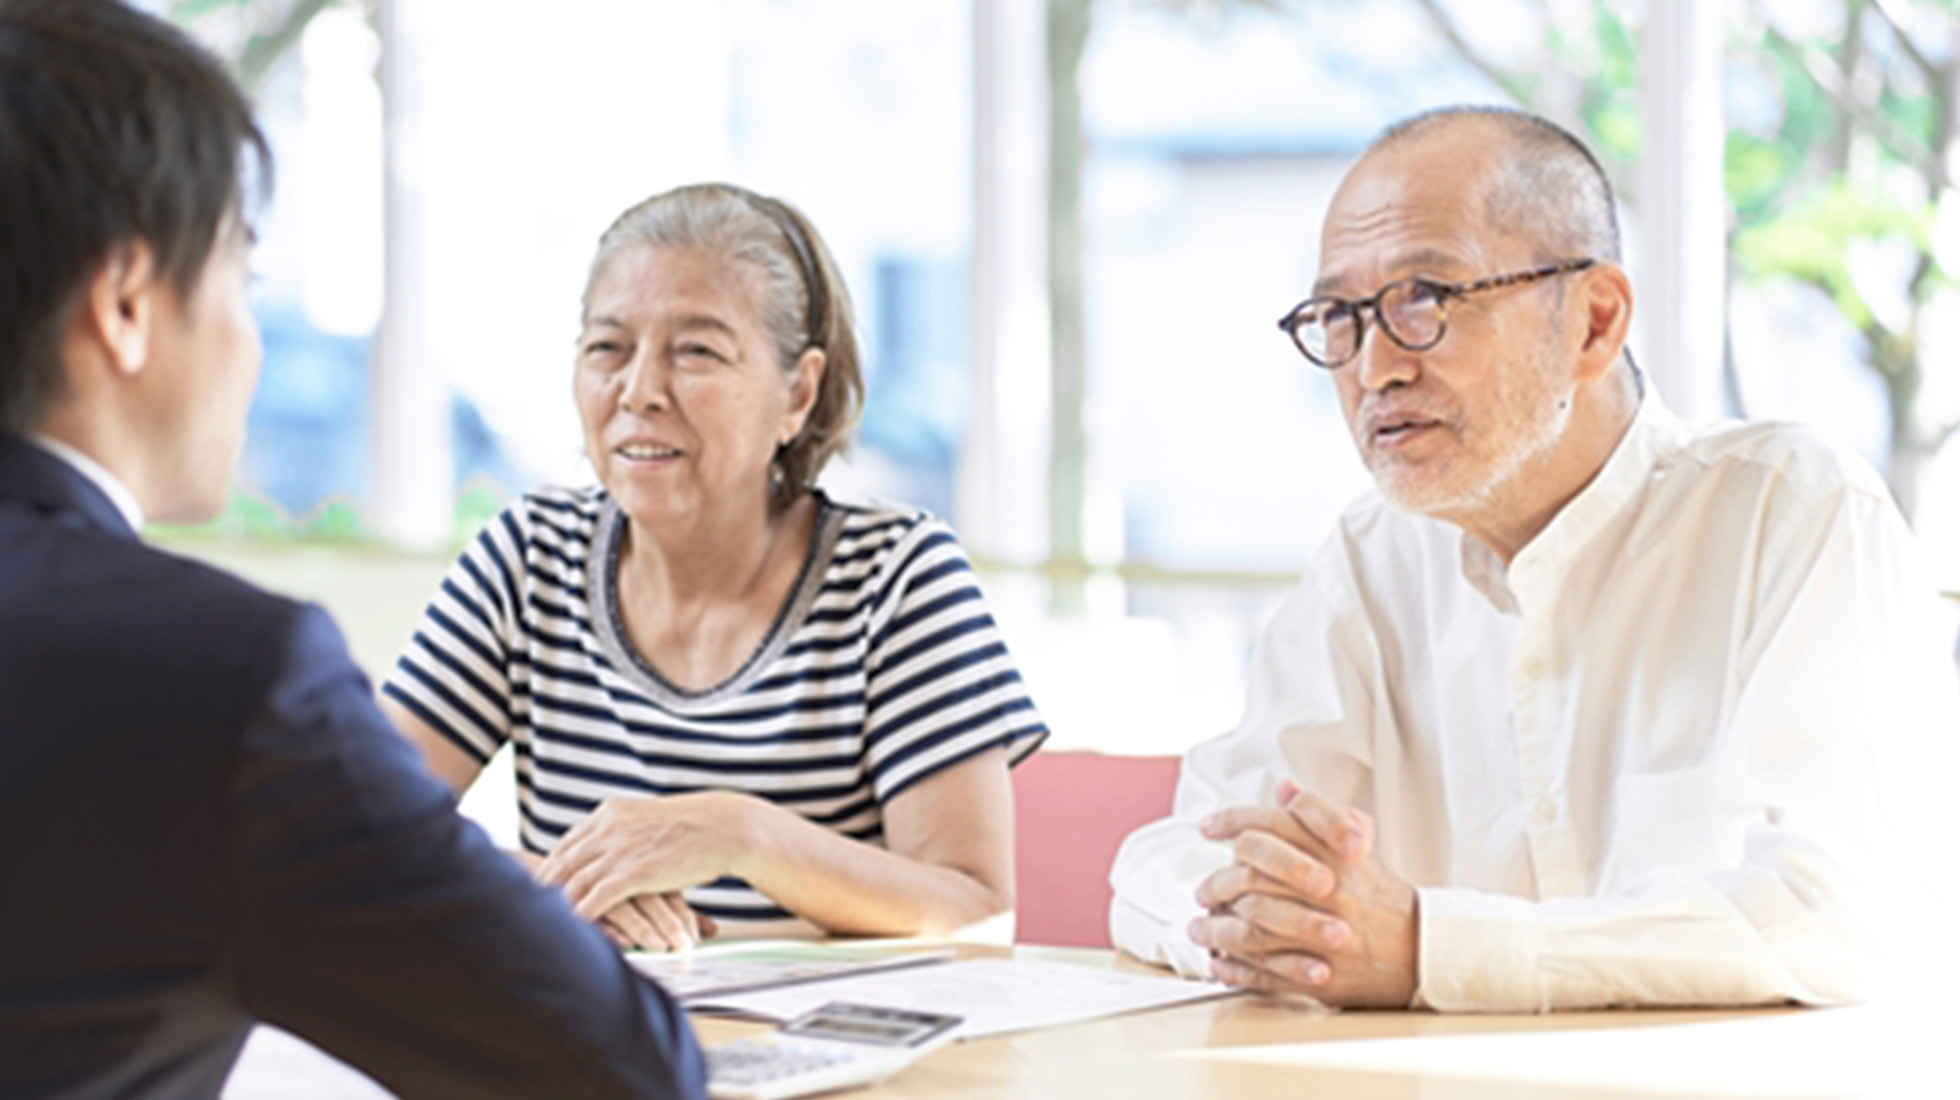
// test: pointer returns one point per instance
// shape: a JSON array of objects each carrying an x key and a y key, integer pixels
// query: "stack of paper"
[
  {"x": 993, "y": 995},
  {"x": 736, "y": 967}
]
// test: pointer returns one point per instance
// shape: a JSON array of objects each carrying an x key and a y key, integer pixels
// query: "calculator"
[{"x": 838, "y": 1046}]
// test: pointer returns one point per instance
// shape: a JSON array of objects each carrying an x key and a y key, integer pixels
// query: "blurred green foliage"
[
  {"x": 1611, "y": 104},
  {"x": 1855, "y": 156},
  {"x": 1811, "y": 240},
  {"x": 250, "y": 517}
]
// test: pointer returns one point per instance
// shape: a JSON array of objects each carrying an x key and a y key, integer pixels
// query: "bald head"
[
  {"x": 1540, "y": 183},
  {"x": 1507, "y": 388}
]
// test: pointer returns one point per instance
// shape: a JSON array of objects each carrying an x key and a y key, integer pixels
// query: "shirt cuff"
[
  {"x": 1479, "y": 952},
  {"x": 1155, "y": 940}
]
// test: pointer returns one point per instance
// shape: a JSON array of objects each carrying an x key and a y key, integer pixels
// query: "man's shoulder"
[
  {"x": 171, "y": 582},
  {"x": 1371, "y": 528},
  {"x": 1375, "y": 547},
  {"x": 1798, "y": 461},
  {"x": 134, "y": 602},
  {"x": 117, "y": 651}
]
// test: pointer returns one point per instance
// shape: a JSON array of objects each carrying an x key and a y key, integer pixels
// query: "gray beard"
[{"x": 1530, "y": 450}]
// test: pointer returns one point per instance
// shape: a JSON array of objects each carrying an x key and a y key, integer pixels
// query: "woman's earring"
[{"x": 776, "y": 473}]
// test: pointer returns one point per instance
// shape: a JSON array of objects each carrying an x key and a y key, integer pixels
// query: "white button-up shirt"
[{"x": 1641, "y": 765}]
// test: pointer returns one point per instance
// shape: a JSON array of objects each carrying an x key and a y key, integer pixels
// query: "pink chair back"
[{"x": 1071, "y": 812}]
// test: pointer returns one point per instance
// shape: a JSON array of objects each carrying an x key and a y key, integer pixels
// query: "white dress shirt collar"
[
  {"x": 99, "y": 476},
  {"x": 1654, "y": 432}
]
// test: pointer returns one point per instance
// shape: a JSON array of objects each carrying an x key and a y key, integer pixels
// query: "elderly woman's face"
[{"x": 679, "y": 390}]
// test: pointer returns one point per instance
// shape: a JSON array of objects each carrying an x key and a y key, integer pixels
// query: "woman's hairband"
[{"x": 806, "y": 259}]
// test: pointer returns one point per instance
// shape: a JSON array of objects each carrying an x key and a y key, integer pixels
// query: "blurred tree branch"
[
  {"x": 1835, "y": 81},
  {"x": 265, "y": 47},
  {"x": 1883, "y": 8},
  {"x": 1515, "y": 85},
  {"x": 275, "y": 27},
  {"x": 1803, "y": 201}
]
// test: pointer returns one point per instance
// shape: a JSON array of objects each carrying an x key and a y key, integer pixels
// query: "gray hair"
[
  {"x": 804, "y": 304},
  {"x": 1546, "y": 185}
]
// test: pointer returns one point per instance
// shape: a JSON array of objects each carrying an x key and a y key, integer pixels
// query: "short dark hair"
[
  {"x": 1548, "y": 184},
  {"x": 115, "y": 128}
]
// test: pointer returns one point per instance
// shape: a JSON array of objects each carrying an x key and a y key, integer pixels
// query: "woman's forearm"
[{"x": 845, "y": 885}]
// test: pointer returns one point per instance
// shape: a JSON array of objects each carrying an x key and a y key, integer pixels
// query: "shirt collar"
[
  {"x": 98, "y": 475},
  {"x": 1655, "y": 431}
]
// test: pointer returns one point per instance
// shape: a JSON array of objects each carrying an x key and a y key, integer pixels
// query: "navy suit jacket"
[{"x": 205, "y": 821}]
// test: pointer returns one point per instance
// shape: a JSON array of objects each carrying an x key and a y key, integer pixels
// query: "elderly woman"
[{"x": 731, "y": 696}]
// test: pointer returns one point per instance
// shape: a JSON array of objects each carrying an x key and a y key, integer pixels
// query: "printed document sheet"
[
  {"x": 739, "y": 967},
  {"x": 994, "y": 995}
]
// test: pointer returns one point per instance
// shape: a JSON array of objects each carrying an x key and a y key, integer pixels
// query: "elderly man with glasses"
[{"x": 1588, "y": 706}]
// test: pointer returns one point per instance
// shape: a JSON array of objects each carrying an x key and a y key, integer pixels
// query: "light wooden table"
[{"x": 1247, "y": 1047}]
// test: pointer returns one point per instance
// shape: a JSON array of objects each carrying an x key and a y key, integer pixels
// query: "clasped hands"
[
  {"x": 624, "y": 866},
  {"x": 1304, "y": 907}
]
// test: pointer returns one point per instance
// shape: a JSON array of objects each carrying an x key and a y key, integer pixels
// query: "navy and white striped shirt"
[{"x": 882, "y": 668}]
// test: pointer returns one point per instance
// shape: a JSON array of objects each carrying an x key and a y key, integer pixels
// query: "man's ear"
[
  {"x": 119, "y": 305},
  {"x": 1605, "y": 299}
]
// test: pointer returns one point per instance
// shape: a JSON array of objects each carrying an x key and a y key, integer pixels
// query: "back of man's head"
[
  {"x": 1541, "y": 183},
  {"x": 115, "y": 128}
]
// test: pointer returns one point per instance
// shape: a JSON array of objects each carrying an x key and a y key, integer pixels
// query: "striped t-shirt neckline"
[
  {"x": 609, "y": 623},
  {"x": 893, "y": 672}
]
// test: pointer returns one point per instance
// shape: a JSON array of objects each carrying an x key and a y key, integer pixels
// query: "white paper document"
[
  {"x": 994, "y": 995},
  {"x": 723, "y": 969}
]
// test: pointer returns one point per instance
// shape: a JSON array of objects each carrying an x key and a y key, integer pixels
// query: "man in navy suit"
[{"x": 204, "y": 820}]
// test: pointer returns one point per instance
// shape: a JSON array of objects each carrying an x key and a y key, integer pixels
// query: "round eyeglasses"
[{"x": 1412, "y": 312}]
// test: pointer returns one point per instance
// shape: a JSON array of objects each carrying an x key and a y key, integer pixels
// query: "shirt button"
[
  {"x": 1544, "y": 811},
  {"x": 1532, "y": 668}
]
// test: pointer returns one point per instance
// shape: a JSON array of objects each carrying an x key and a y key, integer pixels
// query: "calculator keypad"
[{"x": 749, "y": 1062}]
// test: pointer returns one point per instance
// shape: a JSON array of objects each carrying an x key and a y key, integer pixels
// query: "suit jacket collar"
[{"x": 29, "y": 473}]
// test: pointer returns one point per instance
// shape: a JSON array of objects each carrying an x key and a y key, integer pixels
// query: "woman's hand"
[
  {"x": 656, "y": 922},
  {"x": 649, "y": 922},
  {"x": 635, "y": 848}
]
